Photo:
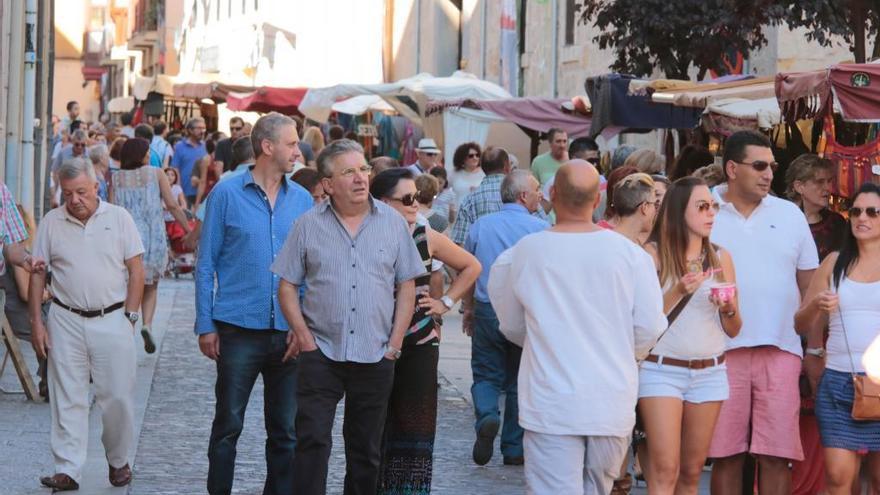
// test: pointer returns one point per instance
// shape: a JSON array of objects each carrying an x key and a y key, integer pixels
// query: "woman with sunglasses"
[
  {"x": 412, "y": 410},
  {"x": 467, "y": 173},
  {"x": 844, "y": 295},
  {"x": 683, "y": 381}
]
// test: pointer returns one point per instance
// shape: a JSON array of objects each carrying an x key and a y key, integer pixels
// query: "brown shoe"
[
  {"x": 59, "y": 482},
  {"x": 120, "y": 476}
]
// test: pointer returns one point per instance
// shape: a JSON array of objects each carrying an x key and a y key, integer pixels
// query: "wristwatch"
[
  {"x": 394, "y": 351},
  {"x": 447, "y": 301},
  {"x": 819, "y": 352},
  {"x": 132, "y": 317}
]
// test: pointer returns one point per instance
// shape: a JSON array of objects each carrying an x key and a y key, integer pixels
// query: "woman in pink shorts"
[{"x": 684, "y": 380}]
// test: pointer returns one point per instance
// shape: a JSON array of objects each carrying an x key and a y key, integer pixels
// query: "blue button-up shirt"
[
  {"x": 185, "y": 157},
  {"x": 494, "y": 233},
  {"x": 241, "y": 236}
]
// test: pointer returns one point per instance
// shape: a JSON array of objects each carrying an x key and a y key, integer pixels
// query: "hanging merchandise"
[{"x": 856, "y": 165}]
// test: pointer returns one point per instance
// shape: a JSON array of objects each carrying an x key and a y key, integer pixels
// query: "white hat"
[{"x": 427, "y": 145}]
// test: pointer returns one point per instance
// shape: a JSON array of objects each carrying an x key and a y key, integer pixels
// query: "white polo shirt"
[
  {"x": 768, "y": 249},
  {"x": 87, "y": 262}
]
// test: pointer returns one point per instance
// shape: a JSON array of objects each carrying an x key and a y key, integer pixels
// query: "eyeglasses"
[
  {"x": 406, "y": 199},
  {"x": 366, "y": 169},
  {"x": 235, "y": 129},
  {"x": 704, "y": 206},
  {"x": 856, "y": 212},
  {"x": 594, "y": 160},
  {"x": 473, "y": 155},
  {"x": 761, "y": 165}
]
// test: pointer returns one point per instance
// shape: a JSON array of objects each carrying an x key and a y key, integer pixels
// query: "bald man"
[{"x": 585, "y": 304}]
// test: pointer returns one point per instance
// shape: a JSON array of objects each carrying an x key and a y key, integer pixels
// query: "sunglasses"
[
  {"x": 473, "y": 155},
  {"x": 235, "y": 129},
  {"x": 856, "y": 212},
  {"x": 406, "y": 199},
  {"x": 637, "y": 177},
  {"x": 78, "y": 145},
  {"x": 704, "y": 206},
  {"x": 761, "y": 165},
  {"x": 594, "y": 160}
]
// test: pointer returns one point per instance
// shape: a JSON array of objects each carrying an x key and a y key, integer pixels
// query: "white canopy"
[
  {"x": 362, "y": 104},
  {"x": 765, "y": 110},
  {"x": 408, "y": 96}
]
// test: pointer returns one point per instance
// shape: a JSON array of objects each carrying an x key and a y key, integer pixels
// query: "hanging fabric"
[{"x": 854, "y": 163}]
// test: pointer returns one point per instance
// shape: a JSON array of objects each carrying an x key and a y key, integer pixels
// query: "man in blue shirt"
[
  {"x": 240, "y": 325},
  {"x": 494, "y": 359},
  {"x": 186, "y": 153}
]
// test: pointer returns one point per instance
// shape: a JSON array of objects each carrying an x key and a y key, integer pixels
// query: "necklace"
[{"x": 696, "y": 265}]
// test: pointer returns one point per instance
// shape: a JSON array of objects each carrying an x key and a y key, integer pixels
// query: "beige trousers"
[
  {"x": 103, "y": 348},
  {"x": 571, "y": 464}
]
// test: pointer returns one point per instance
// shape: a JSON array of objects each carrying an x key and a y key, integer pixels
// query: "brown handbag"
[{"x": 866, "y": 392}]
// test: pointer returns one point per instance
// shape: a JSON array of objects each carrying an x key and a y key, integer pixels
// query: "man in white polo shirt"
[
  {"x": 94, "y": 251},
  {"x": 775, "y": 256}
]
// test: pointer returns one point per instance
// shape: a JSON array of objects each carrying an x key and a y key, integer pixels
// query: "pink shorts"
[{"x": 761, "y": 415}]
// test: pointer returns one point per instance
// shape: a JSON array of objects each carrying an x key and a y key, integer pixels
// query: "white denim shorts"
[{"x": 695, "y": 386}]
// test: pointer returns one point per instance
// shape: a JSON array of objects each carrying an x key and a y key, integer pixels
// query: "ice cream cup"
[{"x": 723, "y": 292}]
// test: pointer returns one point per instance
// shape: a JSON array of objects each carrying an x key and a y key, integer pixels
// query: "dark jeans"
[
  {"x": 245, "y": 354},
  {"x": 495, "y": 365},
  {"x": 322, "y": 383}
]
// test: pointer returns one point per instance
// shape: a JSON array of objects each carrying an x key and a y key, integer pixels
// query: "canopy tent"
[
  {"x": 121, "y": 104},
  {"x": 702, "y": 95},
  {"x": 854, "y": 89},
  {"x": 615, "y": 105},
  {"x": 267, "y": 99},
  {"x": 409, "y": 97},
  {"x": 360, "y": 105},
  {"x": 736, "y": 114}
]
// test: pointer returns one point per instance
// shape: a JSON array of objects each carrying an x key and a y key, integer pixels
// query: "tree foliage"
[
  {"x": 672, "y": 35},
  {"x": 851, "y": 20}
]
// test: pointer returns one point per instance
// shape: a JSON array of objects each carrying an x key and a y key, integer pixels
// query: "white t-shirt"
[
  {"x": 464, "y": 183},
  {"x": 582, "y": 324},
  {"x": 768, "y": 249}
]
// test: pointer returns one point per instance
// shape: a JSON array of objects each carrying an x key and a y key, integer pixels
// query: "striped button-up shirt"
[
  {"x": 12, "y": 229},
  {"x": 240, "y": 238},
  {"x": 484, "y": 200},
  {"x": 350, "y": 280}
]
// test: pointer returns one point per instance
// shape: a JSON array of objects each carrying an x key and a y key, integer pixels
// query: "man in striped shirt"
[{"x": 358, "y": 261}]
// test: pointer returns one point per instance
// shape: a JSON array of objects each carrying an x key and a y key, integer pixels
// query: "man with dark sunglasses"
[
  {"x": 223, "y": 152},
  {"x": 775, "y": 256}
]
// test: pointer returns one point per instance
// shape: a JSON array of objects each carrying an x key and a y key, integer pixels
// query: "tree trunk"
[{"x": 858, "y": 24}]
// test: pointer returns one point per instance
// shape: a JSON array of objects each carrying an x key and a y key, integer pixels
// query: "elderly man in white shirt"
[{"x": 582, "y": 325}]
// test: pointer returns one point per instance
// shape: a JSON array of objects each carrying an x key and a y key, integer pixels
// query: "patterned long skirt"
[{"x": 408, "y": 442}]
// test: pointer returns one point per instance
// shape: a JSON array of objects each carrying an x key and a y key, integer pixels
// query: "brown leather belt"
[{"x": 693, "y": 364}]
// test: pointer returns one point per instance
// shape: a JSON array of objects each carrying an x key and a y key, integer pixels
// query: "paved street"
[
  {"x": 171, "y": 457},
  {"x": 175, "y": 402}
]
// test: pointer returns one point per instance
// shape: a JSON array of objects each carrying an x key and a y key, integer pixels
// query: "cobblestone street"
[{"x": 172, "y": 459}]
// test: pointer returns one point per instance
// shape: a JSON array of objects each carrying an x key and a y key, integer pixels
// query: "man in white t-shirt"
[
  {"x": 582, "y": 325},
  {"x": 775, "y": 256}
]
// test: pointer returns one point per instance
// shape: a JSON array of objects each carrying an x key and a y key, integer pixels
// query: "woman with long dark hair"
[
  {"x": 141, "y": 190},
  {"x": 408, "y": 445},
  {"x": 844, "y": 295},
  {"x": 683, "y": 381}
]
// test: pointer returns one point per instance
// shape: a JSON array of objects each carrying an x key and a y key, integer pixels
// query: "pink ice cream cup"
[{"x": 723, "y": 292}]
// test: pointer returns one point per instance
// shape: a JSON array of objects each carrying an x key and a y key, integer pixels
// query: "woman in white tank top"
[
  {"x": 844, "y": 294},
  {"x": 683, "y": 381}
]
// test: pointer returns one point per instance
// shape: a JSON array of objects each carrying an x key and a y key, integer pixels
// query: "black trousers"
[{"x": 320, "y": 385}]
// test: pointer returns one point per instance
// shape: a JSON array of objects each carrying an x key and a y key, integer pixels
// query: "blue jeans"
[
  {"x": 245, "y": 354},
  {"x": 495, "y": 365}
]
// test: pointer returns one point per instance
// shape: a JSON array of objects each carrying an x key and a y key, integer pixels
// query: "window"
[{"x": 571, "y": 11}]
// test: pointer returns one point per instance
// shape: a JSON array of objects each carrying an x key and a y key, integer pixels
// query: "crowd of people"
[{"x": 620, "y": 308}]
